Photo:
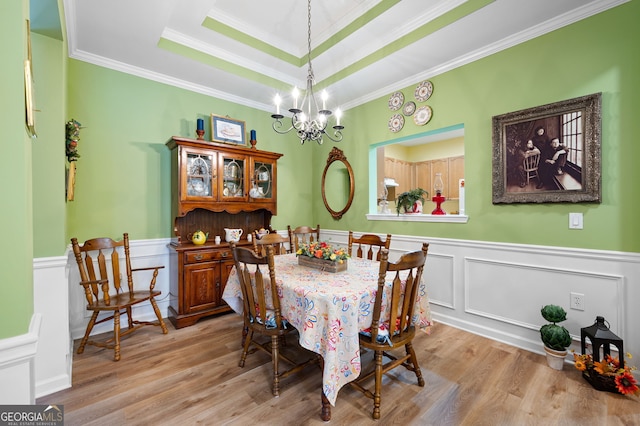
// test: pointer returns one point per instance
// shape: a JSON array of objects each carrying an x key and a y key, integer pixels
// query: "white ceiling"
[{"x": 404, "y": 45}]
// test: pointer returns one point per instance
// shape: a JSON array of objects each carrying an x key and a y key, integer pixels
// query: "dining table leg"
[{"x": 326, "y": 408}]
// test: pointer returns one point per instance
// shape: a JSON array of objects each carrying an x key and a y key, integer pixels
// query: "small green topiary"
[{"x": 554, "y": 336}]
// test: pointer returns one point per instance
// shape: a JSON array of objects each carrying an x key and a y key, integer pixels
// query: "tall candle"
[
  {"x": 200, "y": 124},
  {"x": 296, "y": 93},
  {"x": 253, "y": 135},
  {"x": 277, "y": 100}
]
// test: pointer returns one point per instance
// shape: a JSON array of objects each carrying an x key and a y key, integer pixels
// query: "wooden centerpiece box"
[
  {"x": 322, "y": 264},
  {"x": 213, "y": 186}
]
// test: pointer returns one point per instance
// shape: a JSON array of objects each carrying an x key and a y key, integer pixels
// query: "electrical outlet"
[{"x": 577, "y": 301}]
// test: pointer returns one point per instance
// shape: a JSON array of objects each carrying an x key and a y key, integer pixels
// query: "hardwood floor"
[{"x": 191, "y": 376}]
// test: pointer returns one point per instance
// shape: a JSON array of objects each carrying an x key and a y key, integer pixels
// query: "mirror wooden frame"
[{"x": 336, "y": 154}]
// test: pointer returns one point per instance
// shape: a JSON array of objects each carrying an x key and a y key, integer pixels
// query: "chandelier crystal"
[{"x": 308, "y": 120}]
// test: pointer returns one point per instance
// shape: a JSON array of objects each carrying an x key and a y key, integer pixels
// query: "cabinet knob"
[
  {"x": 224, "y": 254},
  {"x": 198, "y": 256}
]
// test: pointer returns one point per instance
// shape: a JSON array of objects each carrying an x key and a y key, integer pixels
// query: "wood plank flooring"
[{"x": 191, "y": 377}]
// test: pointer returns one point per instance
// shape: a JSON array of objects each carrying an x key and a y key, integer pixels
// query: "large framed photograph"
[
  {"x": 228, "y": 130},
  {"x": 549, "y": 154}
]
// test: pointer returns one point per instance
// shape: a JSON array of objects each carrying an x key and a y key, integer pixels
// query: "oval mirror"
[{"x": 338, "y": 185}]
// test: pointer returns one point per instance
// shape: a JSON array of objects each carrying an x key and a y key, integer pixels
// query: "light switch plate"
[{"x": 575, "y": 221}]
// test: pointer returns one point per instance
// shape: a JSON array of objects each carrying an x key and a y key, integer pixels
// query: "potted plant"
[
  {"x": 408, "y": 199},
  {"x": 555, "y": 337}
]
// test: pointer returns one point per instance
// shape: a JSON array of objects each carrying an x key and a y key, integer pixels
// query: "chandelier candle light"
[{"x": 308, "y": 120}]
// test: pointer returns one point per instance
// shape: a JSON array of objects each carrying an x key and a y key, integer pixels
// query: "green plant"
[
  {"x": 554, "y": 336},
  {"x": 72, "y": 130},
  {"x": 407, "y": 199}
]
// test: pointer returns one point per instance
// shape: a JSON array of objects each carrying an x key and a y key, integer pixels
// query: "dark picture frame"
[
  {"x": 569, "y": 170},
  {"x": 228, "y": 130}
]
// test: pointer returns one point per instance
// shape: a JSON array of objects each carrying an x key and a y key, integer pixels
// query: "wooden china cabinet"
[{"x": 213, "y": 186}]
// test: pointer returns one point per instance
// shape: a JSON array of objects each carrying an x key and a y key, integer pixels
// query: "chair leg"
[
  {"x": 245, "y": 349},
  {"x": 92, "y": 322},
  {"x": 414, "y": 361},
  {"x": 116, "y": 335},
  {"x": 129, "y": 317},
  {"x": 274, "y": 359},
  {"x": 378, "y": 385},
  {"x": 159, "y": 315}
]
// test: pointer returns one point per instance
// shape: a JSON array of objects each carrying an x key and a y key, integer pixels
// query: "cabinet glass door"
[
  {"x": 199, "y": 178},
  {"x": 262, "y": 182},
  {"x": 233, "y": 178}
]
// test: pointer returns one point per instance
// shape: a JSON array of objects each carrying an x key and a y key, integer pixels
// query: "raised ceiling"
[{"x": 245, "y": 51}]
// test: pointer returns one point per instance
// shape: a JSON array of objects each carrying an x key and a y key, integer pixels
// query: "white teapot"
[
  {"x": 262, "y": 232},
  {"x": 232, "y": 234}
]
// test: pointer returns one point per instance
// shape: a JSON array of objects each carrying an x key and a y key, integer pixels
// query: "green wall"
[
  {"x": 16, "y": 254},
  {"x": 598, "y": 54},
  {"x": 123, "y": 180},
  {"x": 48, "y": 150}
]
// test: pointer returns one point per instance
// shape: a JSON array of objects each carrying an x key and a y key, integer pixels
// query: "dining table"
[{"x": 329, "y": 310}]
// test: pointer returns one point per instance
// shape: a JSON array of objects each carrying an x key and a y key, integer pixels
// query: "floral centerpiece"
[
  {"x": 72, "y": 129},
  {"x": 608, "y": 374},
  {"x": 322, "y": 255}
]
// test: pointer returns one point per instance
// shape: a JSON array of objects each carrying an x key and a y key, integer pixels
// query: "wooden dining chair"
[
  {"x": 302, "y": 234},
  {"x": 104, "y": 291},
  {"x": 277, "y": 241},
  {"x": 368, "y": 243},
  {"x": 262, "y": 314},
  {"x": 392, "y": 325}
]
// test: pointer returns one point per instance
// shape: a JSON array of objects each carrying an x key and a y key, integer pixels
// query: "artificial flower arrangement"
[
  {"x": 73, "y": 136},
  {"x": 608, "y": 374},
  {"x": 322, "y": 250}
]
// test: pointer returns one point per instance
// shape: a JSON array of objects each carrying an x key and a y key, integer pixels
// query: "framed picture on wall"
[
  {"x": 228, "y": 130},
  {"x": 549, "y": 154}
]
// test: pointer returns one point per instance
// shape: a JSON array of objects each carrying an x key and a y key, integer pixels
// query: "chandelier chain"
[
  {"x": 307, "y": 126},
  {"x": 309, "y": 38}
]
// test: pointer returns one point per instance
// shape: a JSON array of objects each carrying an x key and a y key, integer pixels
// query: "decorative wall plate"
[
  {"x": 423, "y": 91},
  {"x": 422, "y": 115},
  {"x": 395, "y": 101},
  {"x": 409, "y": 108},
  {"x": 396, "y": 123}
]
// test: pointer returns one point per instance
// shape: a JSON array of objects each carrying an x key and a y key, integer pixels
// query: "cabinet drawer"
[{"x": 206, "y": 255}]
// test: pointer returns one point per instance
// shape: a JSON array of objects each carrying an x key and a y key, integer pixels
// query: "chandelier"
[{"x": 307, "y": 119}]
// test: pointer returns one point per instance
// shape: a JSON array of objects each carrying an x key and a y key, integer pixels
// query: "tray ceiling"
[{"x": 245, "y": 51}]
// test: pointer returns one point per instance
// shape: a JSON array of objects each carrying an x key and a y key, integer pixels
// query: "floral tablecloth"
[{"x": 329, "y": 310}]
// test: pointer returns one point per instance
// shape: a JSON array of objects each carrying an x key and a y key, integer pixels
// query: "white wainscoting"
[
  {"x": 17, "y": 366},
  {"x": 497, "y": 290},
  {"x": 492, "y": 289}
]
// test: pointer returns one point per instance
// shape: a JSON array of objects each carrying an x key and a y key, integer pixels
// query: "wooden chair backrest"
[
  {"x": 407, "y": 276},
  {"x": 254, "y": 294},
  {"x": 370, "y": 243},
  {"x": 302, "y": 234},
  {"x": 101, "y": 252},
  {"x": 277, "y": 241},
  {"x": 531, "y": 162}
]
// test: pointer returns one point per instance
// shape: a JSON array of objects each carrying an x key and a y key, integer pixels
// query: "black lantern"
[{"x": 601, "y": 338}]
